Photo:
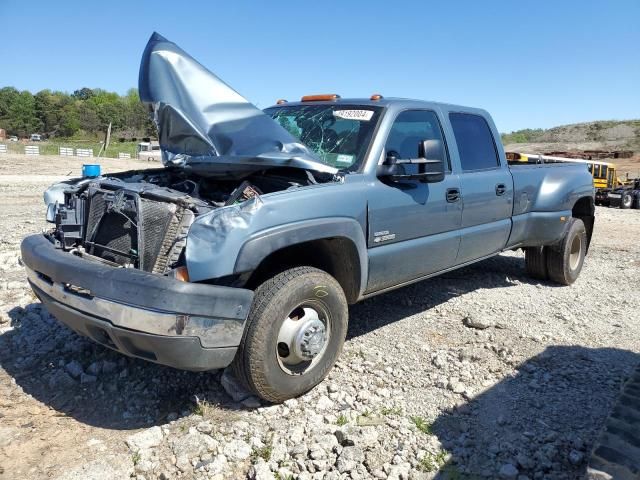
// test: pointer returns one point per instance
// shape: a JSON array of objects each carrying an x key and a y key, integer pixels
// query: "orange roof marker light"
[
  {"x": 280, "y": 101},
  {"x": 180, "y": 273},
  {"x": 376, "y": 96},
  {"x": 320, "y": 98}
]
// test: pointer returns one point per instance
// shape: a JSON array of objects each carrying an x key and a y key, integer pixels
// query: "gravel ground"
[{"x": 480, "y": 373}]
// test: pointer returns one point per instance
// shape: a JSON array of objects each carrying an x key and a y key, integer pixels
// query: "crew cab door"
[
  {"x": 486, "y": 188},
  {"x": 413, "y": 226}
]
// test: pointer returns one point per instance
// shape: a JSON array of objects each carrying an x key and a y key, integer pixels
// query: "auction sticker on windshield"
[{"x": 361, "y": 115}]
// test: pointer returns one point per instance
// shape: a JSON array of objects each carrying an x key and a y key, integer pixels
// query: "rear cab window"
[{"x": 476, "y": 145}]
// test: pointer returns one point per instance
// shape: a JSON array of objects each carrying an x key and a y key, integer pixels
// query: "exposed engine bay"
[
  {"x": 219, "y": 151},
  {"x": 140, "y": 219}
]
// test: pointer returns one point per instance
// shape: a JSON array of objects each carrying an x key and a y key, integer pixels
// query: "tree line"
[{"x": 86, "y": 112}]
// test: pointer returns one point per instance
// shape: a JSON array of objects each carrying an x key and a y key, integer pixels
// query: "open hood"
[{"x": 205, "y": 124}]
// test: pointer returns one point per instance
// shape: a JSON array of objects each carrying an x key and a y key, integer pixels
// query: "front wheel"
[
  {"x": 565, "y": 260},
  {"x": 294, "y": 334}
]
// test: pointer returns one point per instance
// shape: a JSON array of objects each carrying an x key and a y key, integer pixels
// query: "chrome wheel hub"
[
  {"x": 302, "y": 340},
  {"x": 575, "y": 252},
  {"x": 311, "y": 339}
]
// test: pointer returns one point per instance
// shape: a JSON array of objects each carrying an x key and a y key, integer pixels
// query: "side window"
[
  {"x": 475, "y": 142},
  {"x": 409, "y": 129},
  {"x": 596, "y": 171}
]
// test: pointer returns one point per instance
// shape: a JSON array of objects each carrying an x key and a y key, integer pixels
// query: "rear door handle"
[
  {"x": 501, "y": 189},
  {"x": 453, "y": 195}
]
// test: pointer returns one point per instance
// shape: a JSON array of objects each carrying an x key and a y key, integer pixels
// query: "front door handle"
[
  {"x": 501, "y": 189},
  {"x": 453, "y": 195}
]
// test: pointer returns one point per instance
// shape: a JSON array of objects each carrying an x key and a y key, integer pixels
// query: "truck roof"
[{"x": 382, "y": 102}]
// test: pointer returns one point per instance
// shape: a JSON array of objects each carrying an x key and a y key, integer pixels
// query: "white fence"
[
  {"x": 84, "y": 152},
  {"x": 3, "y": 148},
  {"x": 64, "y": 151}
]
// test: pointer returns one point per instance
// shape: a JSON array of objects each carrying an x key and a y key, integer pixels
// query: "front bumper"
[{"x": 184, "y": 325}]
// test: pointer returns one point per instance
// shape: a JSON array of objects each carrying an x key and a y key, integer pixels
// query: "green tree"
[
  {"x": 49, "y": 109},
  {"x": 108, "y": 107},
  {"x": 22, "y": 118},
  {"x": 69, "y": 121},
  {"x": 137, "y": 116},
  {"x": 88, "y": 118},
  {"x": 8, "y": 97},
  {"x": 83, "y": 94},
  {"x": 85, "y": 112}
]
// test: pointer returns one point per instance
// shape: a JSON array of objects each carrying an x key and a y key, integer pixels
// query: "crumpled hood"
[{"x": 204, "y": 123}]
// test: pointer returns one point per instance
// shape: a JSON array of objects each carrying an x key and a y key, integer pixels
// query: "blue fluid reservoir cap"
[{"x": 90, "y": 170}]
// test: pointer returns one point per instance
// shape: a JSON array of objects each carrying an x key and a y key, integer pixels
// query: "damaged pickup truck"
[{"x": 263, "y": 226}]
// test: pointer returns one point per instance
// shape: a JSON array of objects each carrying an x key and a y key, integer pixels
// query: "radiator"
[{"x": 133, "y": 231}]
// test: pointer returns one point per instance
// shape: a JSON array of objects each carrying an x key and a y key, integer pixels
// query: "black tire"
[
  {"x": 636, "y": 201},
  {"x": 258, "y": 362},
  {"x": 626, "y": 201},
  {"x": 564, "y": 262},
  {"x": 535, "y": 261}
]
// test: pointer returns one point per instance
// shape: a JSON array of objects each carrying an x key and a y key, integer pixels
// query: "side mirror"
[{"x": 430, "y": 164}]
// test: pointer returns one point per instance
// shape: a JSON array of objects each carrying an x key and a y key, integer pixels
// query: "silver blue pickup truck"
[{"x": 248, "y": 245}]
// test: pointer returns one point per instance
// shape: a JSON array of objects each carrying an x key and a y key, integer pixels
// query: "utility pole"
[{"x": 105, "y": 144}]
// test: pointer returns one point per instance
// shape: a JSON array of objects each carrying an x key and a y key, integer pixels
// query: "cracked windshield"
[{"x": 338, "y": 134}]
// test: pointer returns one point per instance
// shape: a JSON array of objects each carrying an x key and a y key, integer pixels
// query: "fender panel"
[
  {"x": 549, "y": 188},
  {"x": 263, "y": 243}
]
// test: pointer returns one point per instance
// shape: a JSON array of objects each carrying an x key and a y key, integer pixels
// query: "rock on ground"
[{"x": 152, "y": 437}]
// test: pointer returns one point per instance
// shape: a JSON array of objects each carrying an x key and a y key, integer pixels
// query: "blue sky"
[{"x": 531, "y": 64}]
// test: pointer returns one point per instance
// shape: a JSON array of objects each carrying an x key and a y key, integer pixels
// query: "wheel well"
[
  {"x": 585, "y": 211},
  {"x": 337, "y": 256}
]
